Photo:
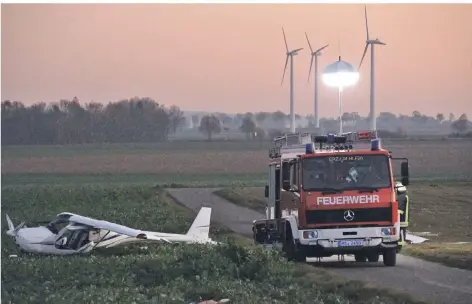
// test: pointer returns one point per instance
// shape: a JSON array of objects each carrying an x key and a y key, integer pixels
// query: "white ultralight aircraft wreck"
[{"x": 70, "y": 233}]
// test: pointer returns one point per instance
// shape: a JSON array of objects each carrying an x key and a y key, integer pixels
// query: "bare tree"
[
  {"x": 261, "y": 117},
  {"x": 177, "y": 118},
  {"x": 248, "y": 126},
  {"x": 461, "y": 125},
  {"x": 209, "y": 125}
]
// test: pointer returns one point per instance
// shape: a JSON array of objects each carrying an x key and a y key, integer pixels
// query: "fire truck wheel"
[
  {"x": 373, "y": 257},
  {"x": 360, "y": 257},
  {"x": 390, "y": 257},
  {"x": 293, "y": 252}
]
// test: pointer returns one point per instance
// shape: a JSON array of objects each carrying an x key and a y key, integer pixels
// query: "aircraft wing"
[
  {"x": 120, "y": 229},
  {"x": 99, "y": 224}
]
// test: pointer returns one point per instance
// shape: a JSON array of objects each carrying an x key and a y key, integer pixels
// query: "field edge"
[{"x": 451, "y": 255}]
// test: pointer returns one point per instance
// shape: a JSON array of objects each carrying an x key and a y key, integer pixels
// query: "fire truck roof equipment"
[{"x": 292, "y": 145}]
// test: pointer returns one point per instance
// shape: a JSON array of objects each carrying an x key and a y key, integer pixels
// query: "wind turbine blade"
[
  {"x": 320, "y": 49},
  {"x": 311, "y": 50},
  {"x": 365, "y": 51},
  {"x": 311, "y": 64},
  {"x": 294, "y": 51},
  {"x": 285, "y": 68},
  {"x": 285, "y": 39},
  {"x": 366, "y": 25}
]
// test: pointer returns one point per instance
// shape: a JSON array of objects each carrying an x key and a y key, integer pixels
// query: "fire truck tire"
[
  {"x": 390, "y": 257},
  {"x": 360, "y": 257},
  {"x": 373, "y": 257},
  {"x": 293, "y": 252}
]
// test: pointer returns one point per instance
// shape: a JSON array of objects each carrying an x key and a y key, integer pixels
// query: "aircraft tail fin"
[
  {"x": 10, "y": 223},
  {"x": 12, "y": 230},
  {"x": 201, "y": 225}
]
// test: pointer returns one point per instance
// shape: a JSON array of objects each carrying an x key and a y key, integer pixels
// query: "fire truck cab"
[{"x": 334, "y": 195}]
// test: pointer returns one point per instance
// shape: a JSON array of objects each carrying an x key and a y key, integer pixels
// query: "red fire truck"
[{"x": 334, "y": 195}]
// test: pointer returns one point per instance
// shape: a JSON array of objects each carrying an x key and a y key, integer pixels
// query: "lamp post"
[{"x": 340, "y": 74}]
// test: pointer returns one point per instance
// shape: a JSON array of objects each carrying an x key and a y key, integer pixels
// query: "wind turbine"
[
  {"x": 315, "y": 55},
  {"x": 373, "y": 125},
  {"x": 290, "y": 54}
]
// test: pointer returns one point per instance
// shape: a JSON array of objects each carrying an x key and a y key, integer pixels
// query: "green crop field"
[
  {"x": 123, "y": 183},
  {"x": 155, "y": 273}
]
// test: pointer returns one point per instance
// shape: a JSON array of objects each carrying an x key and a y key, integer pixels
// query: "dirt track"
[{"x": 427, "y": 281}]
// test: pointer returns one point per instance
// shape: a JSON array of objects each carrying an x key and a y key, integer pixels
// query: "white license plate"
[{"x": 350, "y": 243}]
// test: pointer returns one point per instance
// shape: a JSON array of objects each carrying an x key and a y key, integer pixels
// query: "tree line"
[
  {"x": 145, "y": 120},
  {"x": 68, "y": 122},
  {"x": 262, "y": 124}
]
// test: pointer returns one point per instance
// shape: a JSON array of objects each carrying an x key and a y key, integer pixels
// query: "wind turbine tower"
[
  {"x": 290, "y": 54},
  {"x": 315, "y": 55},
  {"x": 373, "y": 122}
]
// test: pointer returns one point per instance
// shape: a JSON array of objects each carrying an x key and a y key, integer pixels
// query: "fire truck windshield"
[{"x": 346, "y": 172}]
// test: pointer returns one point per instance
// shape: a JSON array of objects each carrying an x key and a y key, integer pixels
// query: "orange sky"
[{"x": 230, "y": 57}]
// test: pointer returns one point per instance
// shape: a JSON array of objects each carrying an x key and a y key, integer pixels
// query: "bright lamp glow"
[
  {"x": 341, "y": 79},
  {"x": 340, "y": 74}
]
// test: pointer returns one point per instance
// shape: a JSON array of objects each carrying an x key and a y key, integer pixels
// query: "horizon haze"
[{"x": 230, "y": 57}]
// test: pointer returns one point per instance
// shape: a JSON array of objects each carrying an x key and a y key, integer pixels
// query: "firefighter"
[
  {"x": 352, "y": 175},
  {"x": 403, "y": 208}
]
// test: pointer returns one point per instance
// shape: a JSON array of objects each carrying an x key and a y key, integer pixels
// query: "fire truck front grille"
[{"x": 343, "y": 216}]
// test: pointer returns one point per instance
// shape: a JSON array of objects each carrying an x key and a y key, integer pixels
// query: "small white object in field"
[
  {"x": 415, "y": 239},
  {"x": 426, "y": 233},
  {"x": 13, "y": 256}
]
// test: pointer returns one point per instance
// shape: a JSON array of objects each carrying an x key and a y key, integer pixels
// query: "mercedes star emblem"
[{"x": 348, "y": 215}]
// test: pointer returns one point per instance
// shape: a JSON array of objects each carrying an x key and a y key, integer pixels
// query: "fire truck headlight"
[
  {"x": 388, "y": 231},
  {"x": 312, "y": 234}
]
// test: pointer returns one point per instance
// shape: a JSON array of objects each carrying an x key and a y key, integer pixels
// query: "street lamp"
[{"x": 340, "y": 74}]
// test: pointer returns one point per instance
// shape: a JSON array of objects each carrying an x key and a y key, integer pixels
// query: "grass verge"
[
  {"x": 159, "y": 273},
  {"x": 245, "y": 197},
  {"x": 453, "y": 255}
]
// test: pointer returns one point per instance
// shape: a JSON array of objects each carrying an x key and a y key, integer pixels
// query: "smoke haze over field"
[{"x": 230, "y": 58}]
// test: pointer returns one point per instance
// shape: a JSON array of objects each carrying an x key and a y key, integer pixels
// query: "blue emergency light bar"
[
  {"x": 375, "y": 144},
  {"x": 310, "y": 148},
  {"x": 345, "y": 140},
  {"x": 336, "y": 142}
]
